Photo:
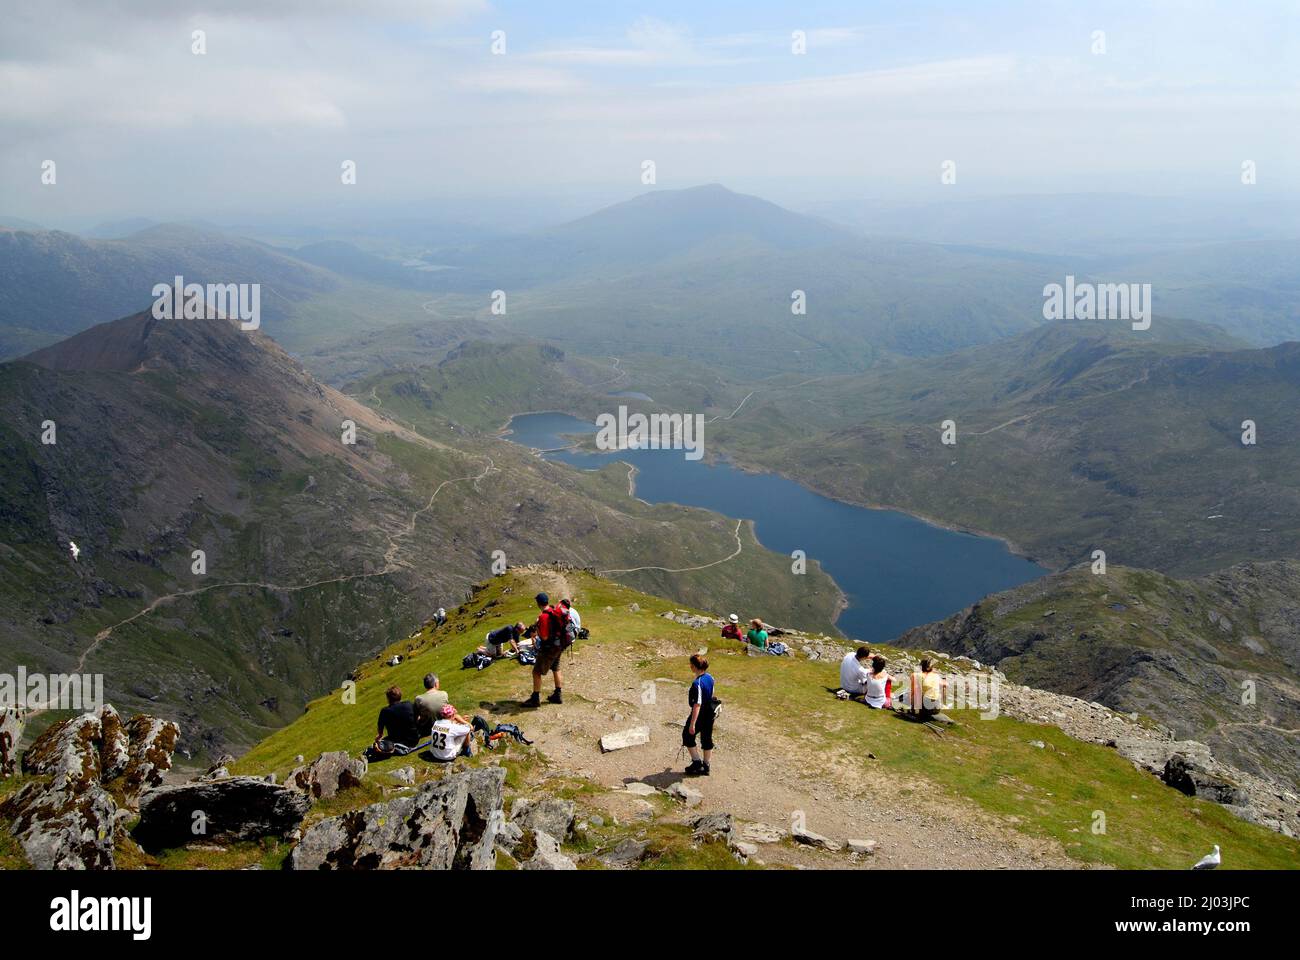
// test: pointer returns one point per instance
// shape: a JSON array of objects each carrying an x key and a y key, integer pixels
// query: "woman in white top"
[{"x": 879, "y": 685}]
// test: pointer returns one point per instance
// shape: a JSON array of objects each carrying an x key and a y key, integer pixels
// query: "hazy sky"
[{"x": 412, "y": 92}]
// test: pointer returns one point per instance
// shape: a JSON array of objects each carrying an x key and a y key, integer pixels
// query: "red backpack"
[{"x": 554, "y": 627}]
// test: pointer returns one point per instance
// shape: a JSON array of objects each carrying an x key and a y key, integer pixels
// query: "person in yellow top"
[{"x": 927, "y": 692}]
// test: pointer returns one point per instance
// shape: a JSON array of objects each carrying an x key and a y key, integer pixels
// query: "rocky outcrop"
[
  {"x": 63, "y": 828},
  {"x": 551, "y": 815},
  {"x": 93, "y": 769},
  {"x": 126, "y": 758},
  {"x": 219, "y": 811},
  {"x": 328, "y": 774},
  {"x": 11, "y": 732},
  {"x": 539, "y": 850},
  {"x": 450, "y": 824},
  {"x": 1186, "y": 774}
]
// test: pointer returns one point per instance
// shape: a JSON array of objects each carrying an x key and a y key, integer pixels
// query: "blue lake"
[{"x": 896, "y": 571}]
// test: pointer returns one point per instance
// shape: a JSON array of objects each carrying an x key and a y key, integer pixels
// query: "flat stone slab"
[{"x": 633, "y": 737}]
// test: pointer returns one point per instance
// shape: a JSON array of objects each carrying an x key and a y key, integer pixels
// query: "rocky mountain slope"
[
  {"x": 181, "y": 436},
  {"x": 1215, "y": 659}
]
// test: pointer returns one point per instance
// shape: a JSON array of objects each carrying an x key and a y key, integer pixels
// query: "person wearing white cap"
[{"x": 731, "y": 630}]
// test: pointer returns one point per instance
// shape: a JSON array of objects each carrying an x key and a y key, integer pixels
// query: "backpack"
[
  {"x": 475, "y": 661},
  {"x": 560, "y": 630}
]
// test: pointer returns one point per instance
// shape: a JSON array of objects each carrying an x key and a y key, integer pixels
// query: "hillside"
[
  {"x": 1185, "y": 652},
  {"x": 181, "y": 436},
  {"x": 1069, "y": 439},
  {"x": 1006, "y": 792},
  {"x": 53, "y": 284}
]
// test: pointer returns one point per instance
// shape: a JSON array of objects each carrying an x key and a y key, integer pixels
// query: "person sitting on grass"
[
  {"x": 700, "y": 721},
  {"x": 451, "y": 737},
  {"x": 757, "y": 636},
  {"x": 925, "y": 694},
  {"x": 397, "y": 731},
  {"x": 731, "y": 629},
  {"x": 879, "y": 688},
  {"x": 428, "y": 705},
  {"x": 494, "y": 644},
  {"x": 854, "y": 672}
]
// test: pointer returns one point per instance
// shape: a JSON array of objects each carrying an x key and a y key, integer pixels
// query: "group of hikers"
[
  {"x": 863, "y": 677},
  {"x": 404, "y": 724},
  {"x": 755, "y": 639}
]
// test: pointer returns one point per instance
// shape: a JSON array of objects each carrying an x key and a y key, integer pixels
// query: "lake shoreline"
[{"x": 577, "y": 440}]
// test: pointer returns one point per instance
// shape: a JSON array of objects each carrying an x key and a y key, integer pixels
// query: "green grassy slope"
[{"x": 1049, "y": 793}]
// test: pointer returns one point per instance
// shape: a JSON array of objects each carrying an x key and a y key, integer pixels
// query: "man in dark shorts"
[
  {"x": 397, "y": 724},
  {"x": 700, "y": 698},
  {"x": 548, "y": 643}
]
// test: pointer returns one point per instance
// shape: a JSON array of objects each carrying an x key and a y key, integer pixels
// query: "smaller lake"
[{"x": 896, "y": 571}]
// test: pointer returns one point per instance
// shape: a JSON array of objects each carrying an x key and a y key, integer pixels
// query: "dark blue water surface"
[{"x": 897, "y": 571}]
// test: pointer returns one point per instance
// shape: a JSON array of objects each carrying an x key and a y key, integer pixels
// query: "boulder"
[
  {"x": 63, "y": 828},
  {"x": 545, "y": 853},
  {"x": 627, "y": 854},
  {"x": 150, "y": 745},
  {"x": 1153, "y": 755},
  {"x": 761, "y": 833},
  {"x": 551, "y": 816},
  {"x": 328, "y": 774},
  {"x": 1185, "y": 774},
  {"x": 713, "y": 826},
  {"x": 634, "y": 737},
  {"x": 126, "y": 758},
  {"x": 449, "y": 824},
  {"x": 810, "y": 839},
  {"x": 221, "y": 811},
  {"x": 641, "y": 789},
  {"x": 687, "y": 795},
  {"x": 508, "y": 837},
  {"x": 863, "y": 848},
  {"x": 11, "y": 732}
]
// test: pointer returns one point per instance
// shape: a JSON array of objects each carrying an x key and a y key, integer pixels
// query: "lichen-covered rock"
[
  {"x": 550, "y": 815},
  {"x": 63, "y": 828},
  {"x": 542, "y": 852},
  {"x": 219, "y": 811},
  {"x": 151, "y": 743},
  {"x": 328, "y": 774},
  {"x": 451, "y": 824},
  {"x": 11, "y": 732}
]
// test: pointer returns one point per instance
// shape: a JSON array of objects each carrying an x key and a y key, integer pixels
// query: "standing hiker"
[
  {"x": 700, "y": 722},
  {"x": 574, "y": 616},
  {"x": 550, "y": 638}
]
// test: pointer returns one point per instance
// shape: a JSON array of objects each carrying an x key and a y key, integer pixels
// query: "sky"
[{"x": 1016, "y": 94}]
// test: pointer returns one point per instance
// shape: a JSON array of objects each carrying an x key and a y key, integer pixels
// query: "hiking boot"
[
  {"x": 695, "y": 769},
  {"x": 556, "y": 696},
  {"x": 704, "y": 770},
  {"x": 533, "y": 701}
]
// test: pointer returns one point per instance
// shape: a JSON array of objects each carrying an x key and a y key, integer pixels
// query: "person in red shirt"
[
  {"x": 548, "y": 644},
  {"x": 731, "y": 630}
]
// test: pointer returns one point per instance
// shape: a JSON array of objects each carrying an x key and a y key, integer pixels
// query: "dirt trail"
[{"x": 762, "y": 772}]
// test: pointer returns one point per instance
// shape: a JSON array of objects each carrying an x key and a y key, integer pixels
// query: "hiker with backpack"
[
  {"x": 703, "y": 710},
  {"x": 574, "y": 618},
  {"x": 552, "y": 635}
]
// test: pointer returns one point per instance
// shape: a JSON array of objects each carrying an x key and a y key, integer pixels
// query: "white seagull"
[{"x": 1209, "y": 861}]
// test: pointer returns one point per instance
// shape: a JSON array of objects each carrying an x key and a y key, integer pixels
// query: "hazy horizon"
[{"x": 1017, "y": 95}]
